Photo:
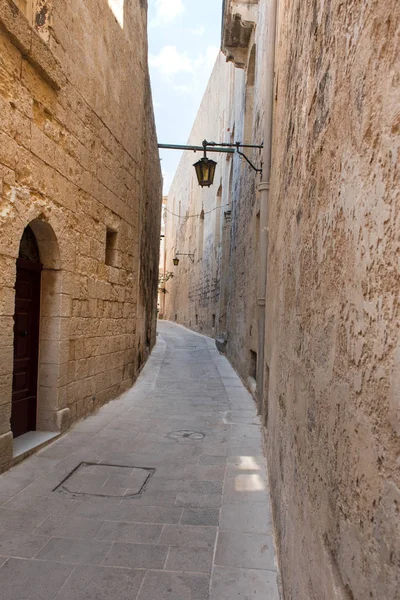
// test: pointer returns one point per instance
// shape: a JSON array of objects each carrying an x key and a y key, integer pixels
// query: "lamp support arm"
[
  {"x": 217, "y": 147},
  {"x": 249, "y": 162}
]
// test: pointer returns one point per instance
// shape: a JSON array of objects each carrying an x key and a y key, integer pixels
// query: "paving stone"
[
  {"x": 245, "y": 488},
  {"x": 75, "y": 527},
  {"x": 247, "y": 462},
  {"x": 31, "y": 579},
  {"x": 200, "y": 516},
  {"x": 205, "y": 473},
  {"x": 137, "y": 556},
  {"x": 105, "y": 543},
  {"x": 169, "y": 485},
  {"x": 245, "y": 550},
  {"x": 102, "y": 583},
  {"x": 206, "y": 459},
  {"x": 21, "y": 545},
  {"x": 9, "y": 485},
  {"x": 243, "y": 584},
  {"x": 192, "y": 500},
  {"x": 154, "y": 514},
  {"x": 151, "y": 498},
  {"x": 188, "y": 536},
  {"x": 74, "y": 551},
  {"x": 192, "y": 560},
  {"x": 19, "y": 522},
  {"x": 143, "y": 533},
  {"x": 249, "y": 517},
  {"x": 174, "y": 586},
  {"x": 206, "y": 487}
]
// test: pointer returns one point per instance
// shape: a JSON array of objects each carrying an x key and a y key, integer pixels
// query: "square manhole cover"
[{"x": 115, "y": 481}]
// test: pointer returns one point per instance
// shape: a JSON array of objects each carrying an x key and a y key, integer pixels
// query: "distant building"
[{"x": 80, "y": 191}]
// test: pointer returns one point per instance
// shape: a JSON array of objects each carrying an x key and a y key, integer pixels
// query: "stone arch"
[{"x": 52, "y": 413}]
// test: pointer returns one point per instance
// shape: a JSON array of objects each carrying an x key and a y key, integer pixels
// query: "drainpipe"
[{"x": 271, "y": 19}]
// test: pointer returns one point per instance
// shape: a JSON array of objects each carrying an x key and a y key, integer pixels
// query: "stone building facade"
[
  {"x": 80, "y": 196},
  {"x": 312, "y": 271}
]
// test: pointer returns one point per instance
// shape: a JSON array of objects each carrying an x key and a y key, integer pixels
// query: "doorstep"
[{"x": 26, "y": 444}]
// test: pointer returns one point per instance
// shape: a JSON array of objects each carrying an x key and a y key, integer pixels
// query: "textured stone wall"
[
  {"x": 222, "y": 280},
  {"x": 78, "y": 156},
  {"x": 195, "y": 217},
  {"x": 333, "y": 300},
  {"x": 332, "y": 359}
]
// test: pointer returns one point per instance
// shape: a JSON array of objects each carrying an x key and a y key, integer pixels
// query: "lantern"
[
  {"x": 175, "y": 261},
  {"x": 205, "y": 171}
]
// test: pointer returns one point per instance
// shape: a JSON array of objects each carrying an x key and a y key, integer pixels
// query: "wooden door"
[{"x": 26, "y": 347}]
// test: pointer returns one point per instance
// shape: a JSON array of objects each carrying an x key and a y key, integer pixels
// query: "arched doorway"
[{"x": 26, "y": 336}]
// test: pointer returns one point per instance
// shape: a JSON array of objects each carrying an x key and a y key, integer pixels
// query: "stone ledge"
[
  {"x": 31, "y": 45},
  {"x": 239, "y": 19}
]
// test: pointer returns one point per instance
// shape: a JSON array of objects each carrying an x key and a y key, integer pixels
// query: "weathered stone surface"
[
  {"x": 109, "y": 546},
  {"x": 331, "y": 369},
  {"x": 78, "y": 158}
]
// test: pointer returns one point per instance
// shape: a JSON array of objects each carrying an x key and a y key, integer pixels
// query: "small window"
[
  {"x": 213, "y": 321},
  {"x": 197, "y": 319},
  {"x": 176, "y": 317},
  {"x": 111, "y": 247}
]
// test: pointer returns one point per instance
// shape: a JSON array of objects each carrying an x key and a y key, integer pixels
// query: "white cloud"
[
  {"x": 167, "y": 11},
  {"x": 199, "y": 31},
  {"x": 208, "y": 59},
  {"x": 171, "y": 62}
]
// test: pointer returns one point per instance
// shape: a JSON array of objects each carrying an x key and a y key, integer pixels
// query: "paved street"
[{"x": 160, "y": 495}]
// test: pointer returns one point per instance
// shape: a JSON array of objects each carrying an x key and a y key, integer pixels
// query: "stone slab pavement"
[{"x": 162, "y": 495}]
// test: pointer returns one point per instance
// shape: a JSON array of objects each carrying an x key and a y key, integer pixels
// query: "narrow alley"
[{"x": 161, "y": 495}]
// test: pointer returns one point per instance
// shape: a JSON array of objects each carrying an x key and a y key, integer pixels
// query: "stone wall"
[
  {"x": 332, "y": 342},
  {"x": 331, "y": 382},
  {"x": 78, "y": 159},
  {"x": 217, "y": 293},
  {"x": 195, "y": 216}
]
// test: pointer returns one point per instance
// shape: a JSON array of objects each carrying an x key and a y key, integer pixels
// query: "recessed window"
[
  {"x": 213, "y": 321},
  {"x": 111, "y": 247}
]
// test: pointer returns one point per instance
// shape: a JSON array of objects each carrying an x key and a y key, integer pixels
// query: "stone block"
[
  {"x": 5, "y": 416},
  {"x": 6, "y": 359},
  {"x": 15, "y": 24},
  {"x": 6, "y": 450}
]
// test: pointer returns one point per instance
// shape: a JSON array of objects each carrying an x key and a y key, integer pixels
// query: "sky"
[{"x": 184, "y": 40}]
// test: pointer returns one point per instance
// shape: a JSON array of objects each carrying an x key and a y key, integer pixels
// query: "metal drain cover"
[
  {"x": 109, "y": 481},
  {"x": 186, "y": 434}
]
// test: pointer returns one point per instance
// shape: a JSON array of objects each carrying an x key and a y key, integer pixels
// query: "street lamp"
[
  {"x": 175, "y": 260},
  {"x": 205, "y": 169}
]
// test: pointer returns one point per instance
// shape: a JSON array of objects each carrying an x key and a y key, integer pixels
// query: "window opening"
[{"x": 111, "y": 247}]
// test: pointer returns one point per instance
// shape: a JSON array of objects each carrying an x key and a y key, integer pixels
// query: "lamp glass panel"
[{"x": 205, "y": 171}]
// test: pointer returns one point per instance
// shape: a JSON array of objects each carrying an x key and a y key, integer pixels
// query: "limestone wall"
[
  {"x": 195, "y": 216},
  {"x": 78, "y": 157},
  {"x": 332, "y": 343},
  {"x": 331, "y": 383},
  {"x": 217, "y": 293}
]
